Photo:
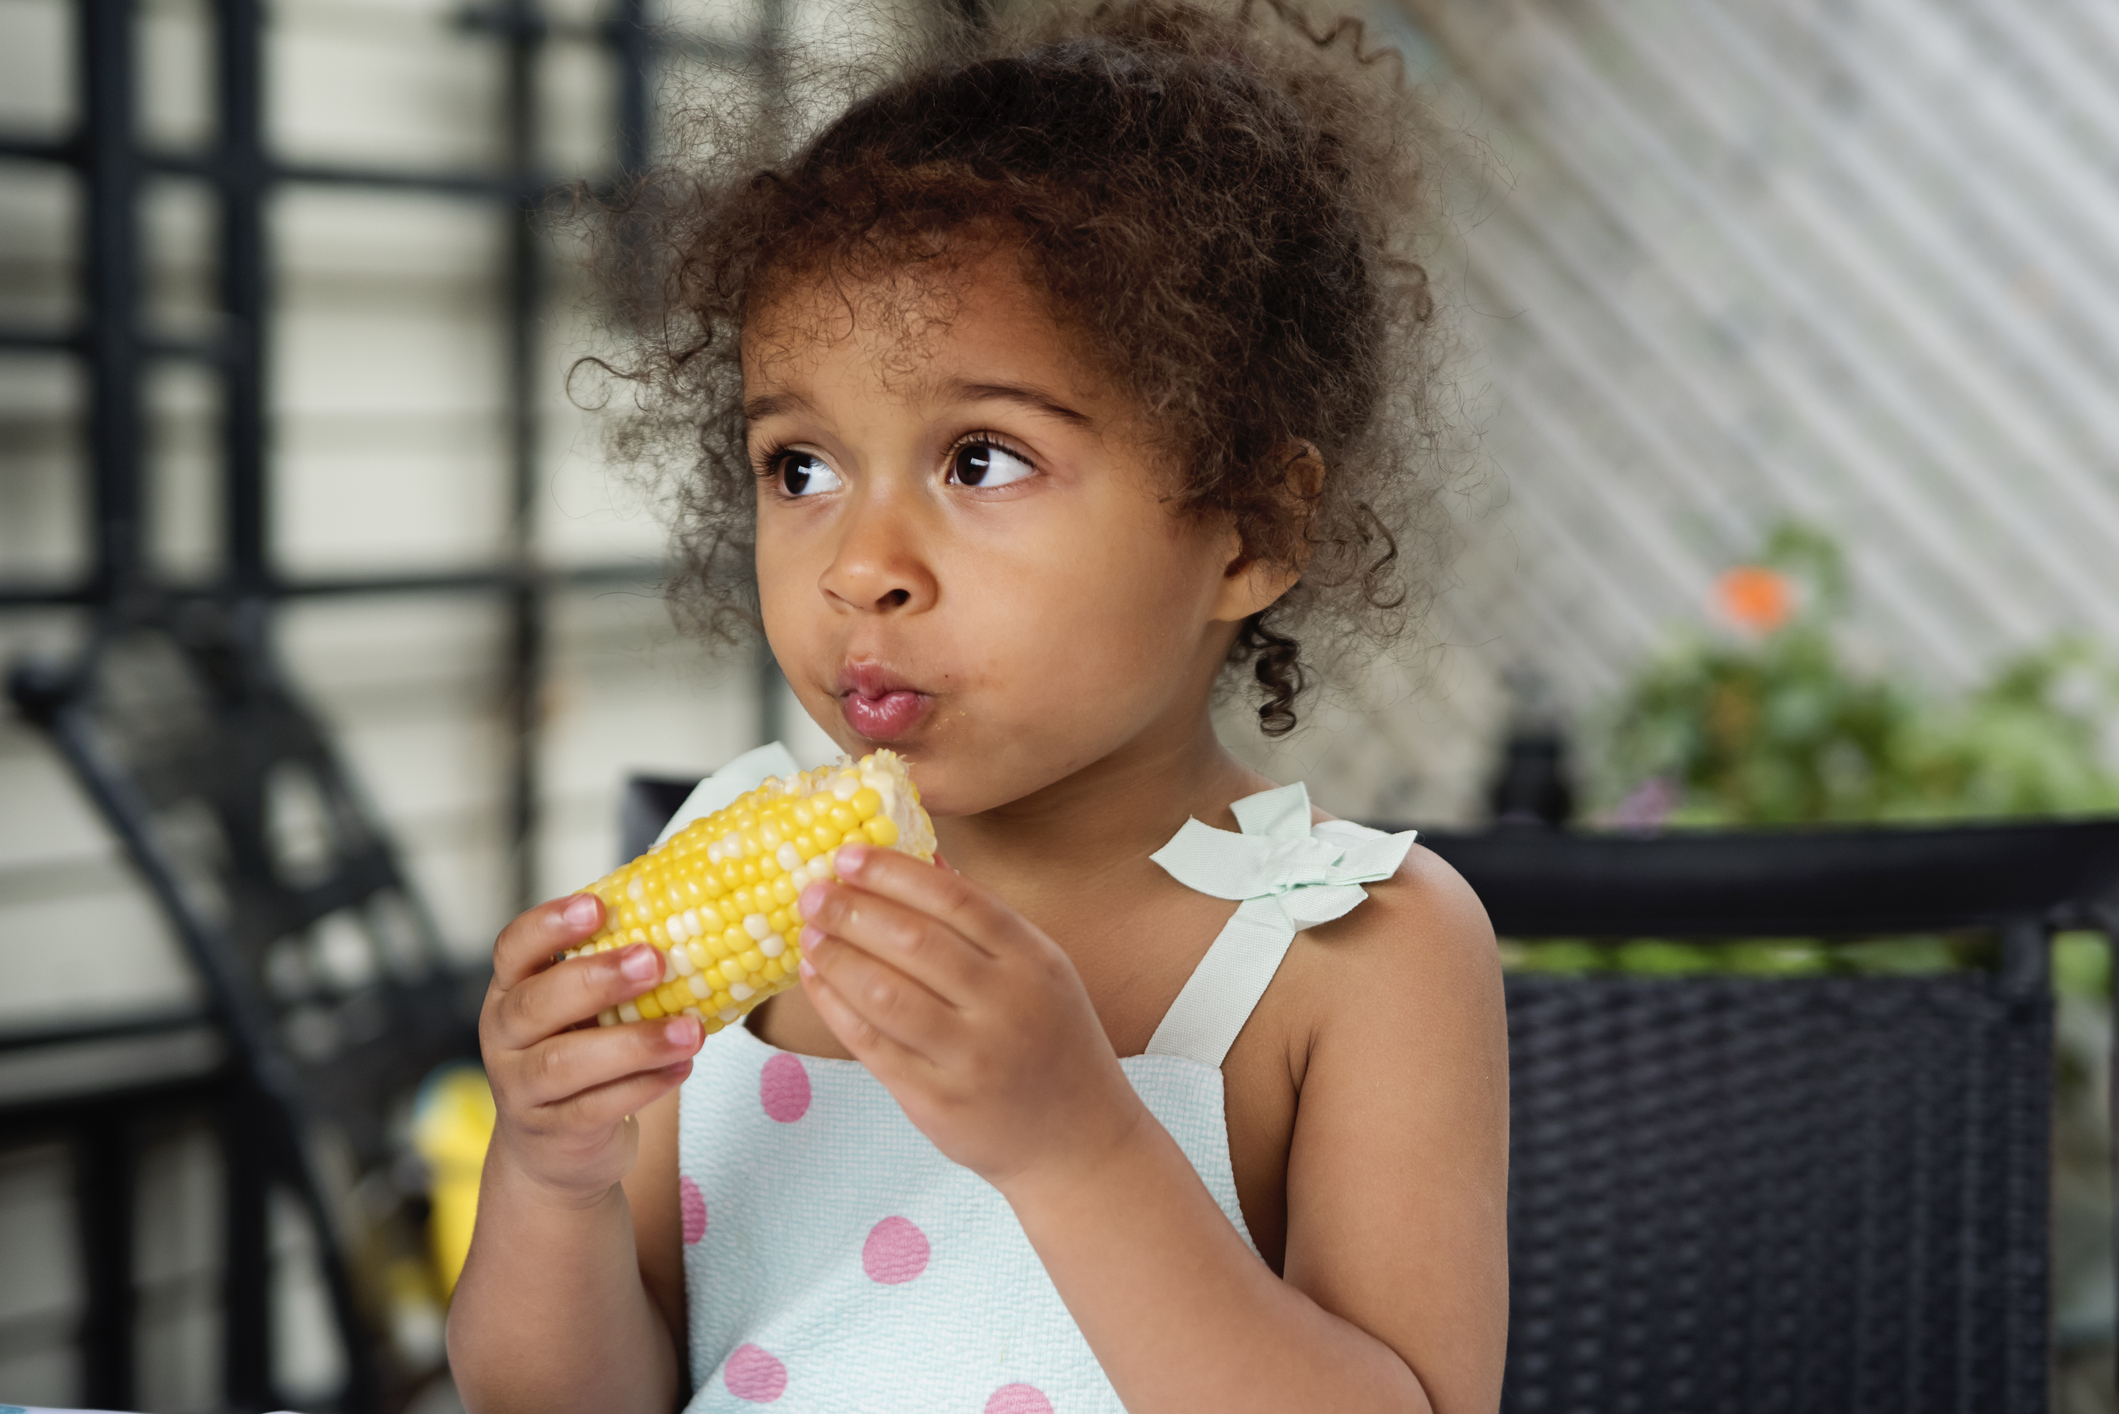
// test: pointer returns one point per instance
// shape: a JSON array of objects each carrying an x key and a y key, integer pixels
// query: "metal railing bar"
[
  {"x": 646, "y": 575},
  {"x": 205, "y": 350},
  {"x": 42, "y": 340},
  {"x": 155, "y": 1023},
  {"x": 23, "y": 148},
  {"x": 44, "y": 596},
  {"x": 472, "y": 581},
  {"x": 212, "y": 167}
]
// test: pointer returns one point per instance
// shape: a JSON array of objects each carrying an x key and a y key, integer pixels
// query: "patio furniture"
[
  {"x": 329, "y": 994},
  {"x": 1816, "y": 1193}
]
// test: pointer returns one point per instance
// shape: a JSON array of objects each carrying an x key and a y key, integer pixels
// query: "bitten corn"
[{"x": 719, "y": 899}]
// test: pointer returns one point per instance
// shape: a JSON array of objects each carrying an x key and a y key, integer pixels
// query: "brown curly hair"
[{"x": 1222, "y": 207}]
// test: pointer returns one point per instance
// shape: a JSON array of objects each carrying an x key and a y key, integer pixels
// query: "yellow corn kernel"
[{"x": 718, "y": 898}]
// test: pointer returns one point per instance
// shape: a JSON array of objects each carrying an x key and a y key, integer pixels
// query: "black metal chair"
[
  {"x": 1821, "y": 1193},
  {"x": 1809, "y": 1194},
  {"x": 324, "y": 973}
]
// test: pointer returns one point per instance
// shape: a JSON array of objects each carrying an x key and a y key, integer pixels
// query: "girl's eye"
[
  {"x": 983, "y": 464},
  {"x": 805, "y": 474}
]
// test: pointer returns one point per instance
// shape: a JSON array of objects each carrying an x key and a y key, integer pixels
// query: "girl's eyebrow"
[
  {"x": 1021, "y": 394},
  {"x": 771, "y": 404}
]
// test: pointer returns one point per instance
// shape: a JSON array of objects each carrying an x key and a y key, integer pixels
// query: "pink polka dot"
[
  {"x": 784, "y": 1088},
  {"x": 895, "y": 1251},
  {"x": 1018, "y": 1399},
  {"x": 692, "y": 1204},
  {"x": 756, "y": 1376}
]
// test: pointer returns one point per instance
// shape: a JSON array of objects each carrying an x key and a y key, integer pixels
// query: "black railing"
[
  {"x": 259, "y": 1101},
  {"x": 113, "y": 344}
]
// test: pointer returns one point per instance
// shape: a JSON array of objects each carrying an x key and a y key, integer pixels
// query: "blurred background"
[{"x": 1789, "y": 373}]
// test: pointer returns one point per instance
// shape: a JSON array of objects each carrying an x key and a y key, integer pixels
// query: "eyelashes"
[
  {"x": 803, "y": 474},
  {"x": 985, "y": 462},
  {"x": 980, "y": 461}
]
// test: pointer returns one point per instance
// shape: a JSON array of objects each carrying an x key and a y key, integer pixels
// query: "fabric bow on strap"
[
  {"x": 1280, "y": 866},
  {"x": 1286, "y": 875}
]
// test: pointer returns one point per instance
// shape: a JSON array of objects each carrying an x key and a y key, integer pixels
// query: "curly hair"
[{"x": 1223, "y": 208}]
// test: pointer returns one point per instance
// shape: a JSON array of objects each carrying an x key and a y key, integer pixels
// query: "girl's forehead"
[{"x": 915, "y": 334}]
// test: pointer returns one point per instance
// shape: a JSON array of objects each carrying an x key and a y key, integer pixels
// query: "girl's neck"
[{"x": 1100, "y": 822}]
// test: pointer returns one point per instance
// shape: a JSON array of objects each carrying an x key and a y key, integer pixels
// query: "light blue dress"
[{"x": 836, "y": 1263}]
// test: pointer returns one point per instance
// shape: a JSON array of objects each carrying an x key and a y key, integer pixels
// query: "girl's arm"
[
  {"x": 554, "y": 1310},
  {"x": 1396, "y": 1274},
  {"x": 1395, "y": 1296}
]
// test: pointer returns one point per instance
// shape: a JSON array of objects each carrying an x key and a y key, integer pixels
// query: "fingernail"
[
  {"x": 681, "y": 1031},
  {"x": 640, "y": 963},
  {"x": 811, "y": 935},
  {"x": 581, "y": 911},
  {"x": 813, "y": 897},
  {"x": 852, "y": 857},
  {"x": 805, "y": 969}
]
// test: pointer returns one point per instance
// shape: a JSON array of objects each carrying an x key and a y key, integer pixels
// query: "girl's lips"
[{"x": 887, "y": 715}]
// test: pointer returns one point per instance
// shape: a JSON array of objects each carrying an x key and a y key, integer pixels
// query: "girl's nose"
[{"x": 879, "y": 568}]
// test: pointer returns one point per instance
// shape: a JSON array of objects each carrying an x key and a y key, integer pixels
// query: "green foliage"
[
  {"x": 1768, "y": 722},
  {"x": 1777, "y": 727},
  {"x": 2077, "y": 958}
]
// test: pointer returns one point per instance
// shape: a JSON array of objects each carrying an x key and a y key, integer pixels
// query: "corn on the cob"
[{"x": 719, "y": 899}]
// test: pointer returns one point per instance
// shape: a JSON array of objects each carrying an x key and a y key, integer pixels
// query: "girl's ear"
[{"x": 1250, "y": 584}]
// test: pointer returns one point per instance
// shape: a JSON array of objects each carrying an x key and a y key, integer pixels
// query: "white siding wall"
[
  {"x": 1721, "y": 262},
  {"x": 1852, "y": 262}
]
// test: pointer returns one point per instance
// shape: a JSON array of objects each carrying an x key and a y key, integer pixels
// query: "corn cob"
[{"x": 719, "y": 899}]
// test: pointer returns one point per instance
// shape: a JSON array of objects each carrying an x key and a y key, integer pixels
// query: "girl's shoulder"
[
  {"x": 1418, "y": 953},
  {"x": 1423, "y": 898}
]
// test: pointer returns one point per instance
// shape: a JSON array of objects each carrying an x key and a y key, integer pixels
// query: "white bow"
[{"x": 1281, "y": 867}]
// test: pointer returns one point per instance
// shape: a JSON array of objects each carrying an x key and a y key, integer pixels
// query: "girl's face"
[{"x": 963, "y": 551}]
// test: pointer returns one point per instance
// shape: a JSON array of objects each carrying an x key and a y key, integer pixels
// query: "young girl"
[{"x": 1042, "y": 388}]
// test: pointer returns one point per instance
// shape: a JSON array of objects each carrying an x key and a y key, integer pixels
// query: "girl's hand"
[
  {"x": 971, "y": 1017},
  {"x": 566, "y": 1088}
]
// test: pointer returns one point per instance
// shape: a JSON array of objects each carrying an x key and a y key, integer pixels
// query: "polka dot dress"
[{"x": 835, "y": 1261}]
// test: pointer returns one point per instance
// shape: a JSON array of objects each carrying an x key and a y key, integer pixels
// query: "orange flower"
[{"x": 1756, "y": 598}]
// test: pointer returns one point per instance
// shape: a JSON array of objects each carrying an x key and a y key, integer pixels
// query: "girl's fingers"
[
  {"x": 574, "y": 991},
  {"x": 574, "y": 1062},
  {"x": 886, "y": 1059},
  {"x": 920, "y": 946},
  {"x": 525, "y": 947},
  {"x": 607, "y": 1104},
  {"x": 971, "y": 912},
  {"x": 882, "y": 999}
]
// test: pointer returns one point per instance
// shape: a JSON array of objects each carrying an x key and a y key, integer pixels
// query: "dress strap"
[{"x": 1286, "y": 874}]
